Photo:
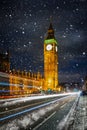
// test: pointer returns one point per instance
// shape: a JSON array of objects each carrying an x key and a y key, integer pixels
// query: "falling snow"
[{"x": 24, "y": 24}]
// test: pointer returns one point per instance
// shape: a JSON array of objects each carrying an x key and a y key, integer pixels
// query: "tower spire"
[{"x": 50, "y": 32}]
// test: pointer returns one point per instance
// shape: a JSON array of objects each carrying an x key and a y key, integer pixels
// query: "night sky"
[{"x": 23, "y": 27}]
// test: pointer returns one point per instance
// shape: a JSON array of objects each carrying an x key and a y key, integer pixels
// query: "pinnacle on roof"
[{"x": 50, "y": 33}]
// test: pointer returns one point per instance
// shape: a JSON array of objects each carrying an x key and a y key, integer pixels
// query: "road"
[
  {"x": 51, "y": 123},
  {"x": 36, "y": 110}
]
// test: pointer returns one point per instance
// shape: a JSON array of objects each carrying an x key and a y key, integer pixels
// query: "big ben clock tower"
[{"x": 50, "y": 61}]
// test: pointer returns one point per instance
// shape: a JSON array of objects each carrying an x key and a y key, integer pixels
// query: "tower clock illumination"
[
  {"x": 56, "y": 49},
  {"x": 49, "y": 47},
  {"x": 50, "y": 61}
]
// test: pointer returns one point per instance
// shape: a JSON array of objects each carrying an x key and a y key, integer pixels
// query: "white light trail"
[
  {"x": 23, "y": 99},
  {"x": 32, "y": 109}
]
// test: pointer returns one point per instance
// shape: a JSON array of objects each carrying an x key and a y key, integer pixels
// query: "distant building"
[
  {"x": 20, "y": 83},
  {"x": 25, "y": 82},
  {"x": 4, "y": 62}
]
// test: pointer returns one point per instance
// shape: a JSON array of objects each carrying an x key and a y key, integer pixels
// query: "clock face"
[
  {"x": 56, "y": 49},
  {"x": 49, "y": 47}
]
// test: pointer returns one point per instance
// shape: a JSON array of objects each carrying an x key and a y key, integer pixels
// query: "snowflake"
[
  {"x": 64, "y": 2},
  {"x": 44, "y": 5},
  {"x": 18, "y": 48},
  {"x": 77, "y": 9},
  {"x": 35, "y": 23},
  {"x": 30, "y": 15},
  {"x": 82, "y": 80},
  {"x": 14, "y": 41},
  {"x": 83, "y": 53},
  {"x": 76, "y": 30},
  {"x": 81, "y": 22},
  {"x": 2, "y": 41},
  {"x": 74, "y": 67},
  {"x": 10, "y": 15},
  {"x": 6, "y": 15},
  {"x": 6, "y": 53},
  {"x": 64, "y": 36},
  {"x": 16, "y": 31},
  {"x": 25, "y": 45},
  {"x": 34, "y": 30},
  {"x": 41, "y": 37},
  {"x": 57, "y": 7},
  {"x": 30, "y": 70},
  {"x": 25, "y": 14},
  {"x": 71, "y": 25},
  {"x": 79, "y": 36},
  {"x": 74, "y": 11},
  {"x": 23, "y": 32},
  {"x": 25, "y": 24},
  {"x": 29, "y": 42},
  {"x": 77, "y": 65},
  {"x": 64, "y": 58},
  {"x": 22, "y": 28}
]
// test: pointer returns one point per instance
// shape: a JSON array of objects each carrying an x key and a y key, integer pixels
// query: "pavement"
[{"x": 79, "y": 119}]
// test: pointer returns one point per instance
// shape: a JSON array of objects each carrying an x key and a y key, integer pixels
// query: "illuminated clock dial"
[
  {"x": 49, "y": 47},
  {"x": 56, "y": 49}
]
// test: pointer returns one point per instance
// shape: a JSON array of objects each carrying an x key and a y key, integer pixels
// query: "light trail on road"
[
  {"x": 19, "y": 100},
  {"x": 21, "y": 107},
  {"x": 32, "y": 109}
]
